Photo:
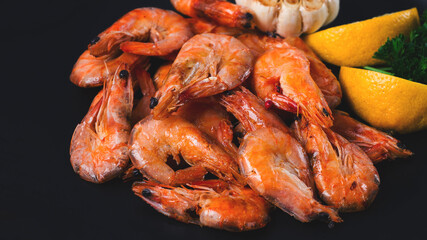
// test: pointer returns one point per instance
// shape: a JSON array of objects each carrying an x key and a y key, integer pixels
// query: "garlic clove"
[
  {"x": 333, "y": 7},
  {"x": 289, "y": 20},
  {"x": 314, "y": 14},
  {"x": 265, "y": 12}
]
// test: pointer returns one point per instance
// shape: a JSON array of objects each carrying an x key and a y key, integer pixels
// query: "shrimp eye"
[
  {"x": 325, "y": 112},
  {"x": 124, "y": 74},
  {"x": 94, "y": 40},
  {"x": 153, "y": 102},
  {"x": 146, "y": 193}
]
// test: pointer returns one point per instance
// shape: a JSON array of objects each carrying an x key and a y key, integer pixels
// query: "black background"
[{"x": 41, "y": 196}]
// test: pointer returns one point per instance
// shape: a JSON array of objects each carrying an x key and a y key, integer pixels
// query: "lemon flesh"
[
  {"x": 385, "y": 101},
  {"x": 354, "y": 44}
]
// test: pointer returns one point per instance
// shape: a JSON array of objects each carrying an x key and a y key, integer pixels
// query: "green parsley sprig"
[{"x": 406, "y": 56}]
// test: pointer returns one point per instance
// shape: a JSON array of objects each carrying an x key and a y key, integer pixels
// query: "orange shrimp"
[
  {"x": 250, "y": 111},
  {"x": 132, "y": 33},
  {"x": 207, "y": 64},
  {"x": 161, "y": 75},
  {"x": 376, "y": 144},
  {"x": 90, "y": 71},
  {"x": 275, "y": 165},
  {"x": 99, "y": 149},
  {"x": 228, "y": 207},
  {"x": 282, "y": 78},
  {"x": 211, "y": 118},
  {"x": 142, "y": 108},
  {"x": 152, "y": 141},
  {"x": 345, "y": 176},
  {"x": 200, "y": 26},
  {"x": 218, "y": 11},
  {"x": 322, "y": 76}
]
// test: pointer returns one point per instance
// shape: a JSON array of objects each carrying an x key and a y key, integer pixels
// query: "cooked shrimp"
[
  {"x": 376, "y": 144},
  {"x": 250, "y": 111},
  {"x": 90, "y": 71},
  {"x": 200, "y": 26},
  {"x": 207, "y": 64},
  {"x": 218, "y": 11},
  {"x": 143, "y": 31},
  {"x": 142, "y": 108},
  {"x": 345, "y": 177},
  {"x": 211, "y": 118},
  {"x": 322, "y": 76},
  {"x": 152, "y": 141},
  {"x": 99, "y": 149},
  {"x": 282, "y": 77},
  {"x": 161, "y": 75},
  {"x": 228, "y": 207},
  {"x": 275, "y": 165}
]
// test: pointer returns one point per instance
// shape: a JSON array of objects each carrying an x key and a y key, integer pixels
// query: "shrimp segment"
[
  {"x": 249, "y": 110},
  {"x": 322, "y": 76},
  {"x": 99, "y": 149},
  {"x": 142, "y": 108},
  {"x": 161, "y": 31},
  {"x": 90, "y": 71},
  {"x": 376, "y": 144},
  {"x": 219, "y": 11},
  {"x": 207, "y": 64},
  {"x": 345, "y": 177},
  {"x": 212, "y": 119},
  {"x": 272, "y": 162},
  {"x": 282, "y": 76},
  {"x": 152, "y": 141},
  {"x": 213, "y": 204}
]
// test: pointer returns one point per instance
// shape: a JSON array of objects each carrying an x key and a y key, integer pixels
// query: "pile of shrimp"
[{"x": 233, "y": 124}]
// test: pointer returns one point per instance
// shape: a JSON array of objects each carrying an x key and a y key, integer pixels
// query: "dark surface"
[{"x": 41, "y": 196}]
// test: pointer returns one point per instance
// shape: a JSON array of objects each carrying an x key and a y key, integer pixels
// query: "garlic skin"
[{"x": 291, "y": 18}]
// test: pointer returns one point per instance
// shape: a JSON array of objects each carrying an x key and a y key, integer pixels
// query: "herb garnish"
[{"x": 406, "y": 57}]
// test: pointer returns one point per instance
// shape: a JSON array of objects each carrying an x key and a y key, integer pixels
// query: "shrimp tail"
[
  {"x": 329, "y": 213},
  {"x": 221, "y": 12}
]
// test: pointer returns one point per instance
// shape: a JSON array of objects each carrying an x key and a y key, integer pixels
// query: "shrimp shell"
[
  {"x": 98, "y": 148},
  {"x": 167, "y": 30},
  {"x": 211, "y": 203}
]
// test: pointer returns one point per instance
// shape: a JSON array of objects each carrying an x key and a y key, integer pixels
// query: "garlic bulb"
[{"x": 290, "y": 18}]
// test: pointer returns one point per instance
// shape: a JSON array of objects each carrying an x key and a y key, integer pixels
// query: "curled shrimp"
[
  {"x": 282, "y": 78},
  {"x": 345, "y": 177},
  {"x": 210, "y": 203},
  {"x": 207, "y": 64},
  {"x": 143, "y": 31},
  {"x": 218, "y": 11},
  {"x": 322, "y": 76},
  {"x": 275, "y": 165},
  {"x": 376, "y": 144},
  {"x": 90, "y": 71},
  {"x": 152, "y": 141},
  {"x": 99, "y": 149}
]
